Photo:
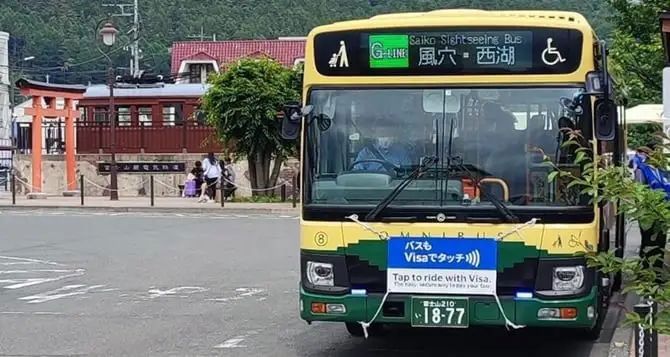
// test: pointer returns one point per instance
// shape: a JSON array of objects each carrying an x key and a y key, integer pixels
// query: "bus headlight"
[
  {"x": 568, "y": 278},
  {"x": 320, "y": 274}
]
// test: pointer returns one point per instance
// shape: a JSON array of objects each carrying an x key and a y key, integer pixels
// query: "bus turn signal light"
[
  {"x": 563, "y": 313},
  {"x": 318, "y": 308},
  {"x": 568, "y": 313}
]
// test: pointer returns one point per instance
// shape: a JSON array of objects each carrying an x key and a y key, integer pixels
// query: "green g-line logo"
[{"x": 389, "y": 51}]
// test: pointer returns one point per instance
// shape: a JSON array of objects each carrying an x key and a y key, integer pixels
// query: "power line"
[{"x": 135, "y": 45}]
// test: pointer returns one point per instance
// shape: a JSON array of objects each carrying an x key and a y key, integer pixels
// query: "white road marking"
[
  {"x": 154, "y": 293},
  {"x": 59, "y": 293},
  {"x": 232, "y": 343},
  {"x": 36, "y": 271},
  {"x": 15, "y": 263},
  {"x": 30, "y": 260},
  {"x": 209, "y": 215},
  {"x": 33, "y": 313},
  {"x": 22, "y": 283},
  {"x": 108, "y": 290},
  {"x": 241, "y": 294}
]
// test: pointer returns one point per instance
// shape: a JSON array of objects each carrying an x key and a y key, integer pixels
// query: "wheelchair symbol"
[{"x": 551, "y": 56}]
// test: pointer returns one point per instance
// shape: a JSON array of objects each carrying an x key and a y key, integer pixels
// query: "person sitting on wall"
[{"x": 194, "y": 180}]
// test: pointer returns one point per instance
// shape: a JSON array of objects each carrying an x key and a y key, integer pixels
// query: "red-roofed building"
[{"x": 193, "y": 60}]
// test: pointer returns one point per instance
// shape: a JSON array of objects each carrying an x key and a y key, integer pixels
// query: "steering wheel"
[{"x": 388, "y": 165}]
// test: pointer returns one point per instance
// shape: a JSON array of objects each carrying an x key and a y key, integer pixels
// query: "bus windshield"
[{"x": 361, "y": 143}]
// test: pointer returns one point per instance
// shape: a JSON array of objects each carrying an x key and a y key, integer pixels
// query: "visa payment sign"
[{"x": 442, "y": 265}]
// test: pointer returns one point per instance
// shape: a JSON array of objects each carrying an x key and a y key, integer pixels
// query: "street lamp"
[{"x": 108, "y": 34}]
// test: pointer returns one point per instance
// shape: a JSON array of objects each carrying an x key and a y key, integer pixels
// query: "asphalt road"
[{"x": 136, "y": 285}]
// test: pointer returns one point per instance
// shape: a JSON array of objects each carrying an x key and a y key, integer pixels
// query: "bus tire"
[
  {"x": 593, "y": 333},
  {"x": 356, "y": 330}
]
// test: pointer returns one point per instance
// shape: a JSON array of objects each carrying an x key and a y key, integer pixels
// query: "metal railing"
[{"x": 225, "y": 189}]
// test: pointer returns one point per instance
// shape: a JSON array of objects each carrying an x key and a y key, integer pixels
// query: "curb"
[
  {"x": 623, "y": 335},
  {"x": 217, "y": 210}
]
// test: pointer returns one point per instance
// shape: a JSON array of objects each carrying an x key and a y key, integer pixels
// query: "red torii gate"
[{"x": 51, "y": 93}]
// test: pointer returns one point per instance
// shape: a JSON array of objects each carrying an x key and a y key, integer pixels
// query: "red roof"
[{"x": 286, "y": 51}]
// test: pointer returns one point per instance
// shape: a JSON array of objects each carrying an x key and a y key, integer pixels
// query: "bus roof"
[
  {"x": 550, "y": 15},
  {"x": 468, "y": 16}
]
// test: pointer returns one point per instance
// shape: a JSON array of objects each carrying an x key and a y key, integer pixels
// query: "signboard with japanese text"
[
  {"x": 471, "y": 51},
  {"x": 143, "y": 167},
  {"x": 442, "y": 266}
]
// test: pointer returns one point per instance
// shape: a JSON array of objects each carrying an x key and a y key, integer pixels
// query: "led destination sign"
[{"x": 495, "y": 51}]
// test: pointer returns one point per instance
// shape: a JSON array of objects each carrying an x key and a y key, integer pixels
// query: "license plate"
[{"x": 440, "y": 312}]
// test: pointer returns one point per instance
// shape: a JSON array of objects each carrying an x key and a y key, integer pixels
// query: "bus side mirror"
[
  {"x": 292, "y": 120},
  {"x": 605, "y": 119}
]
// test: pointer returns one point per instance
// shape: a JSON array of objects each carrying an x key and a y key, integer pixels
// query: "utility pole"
[
  {"x": 136, "y": 39},
  {"x": 135, "y": 47}
]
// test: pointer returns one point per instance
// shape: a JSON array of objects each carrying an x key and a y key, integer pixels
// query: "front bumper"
[{"x": 483, "y": 310}]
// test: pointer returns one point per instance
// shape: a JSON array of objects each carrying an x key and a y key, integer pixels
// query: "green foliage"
[
  {"x": 637, "y": 58},
  {"x": 61, "y": 33},
  {"x": 243, "y": 104},
  {"x": 258, "y": 199},
  {"x": 643, "y": 135},
  {"x": 603, "y": 182}
]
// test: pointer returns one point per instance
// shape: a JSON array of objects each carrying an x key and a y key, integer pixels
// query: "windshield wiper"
[
  {"x": 425, "y": 162},
  {"x": 504, "y": 211}
]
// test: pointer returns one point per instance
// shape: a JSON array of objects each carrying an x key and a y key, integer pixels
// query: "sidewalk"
[
  {"x": 663, "y": 346},
  {"x": 623, "y": 342},
  {"x": 137, "y": 204}
]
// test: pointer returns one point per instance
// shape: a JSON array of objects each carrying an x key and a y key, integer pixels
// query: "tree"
[
  {"x": 243, "y": 103},
  {"x": 637, "y": 58},
  {"x": 637, "y": 202},
  {"x": 45, "y": 25},
  {"x": 637, "y": 63}
]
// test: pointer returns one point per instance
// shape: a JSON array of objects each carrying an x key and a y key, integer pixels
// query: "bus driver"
[{"x": 386, "y": 147}]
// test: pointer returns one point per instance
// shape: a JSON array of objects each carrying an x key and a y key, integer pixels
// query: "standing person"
[
  {"x": 212, "y": 174},
  {"x": 654, "y": 239},
  {"x": 198, "y": 173},
  {"x": 228, "y": 177}
]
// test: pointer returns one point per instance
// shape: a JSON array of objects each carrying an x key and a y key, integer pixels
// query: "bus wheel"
[
  {"x": 593, "y": 333},
  {"x": 355, "y": 329}
]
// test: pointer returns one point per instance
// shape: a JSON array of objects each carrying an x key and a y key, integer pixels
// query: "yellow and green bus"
[{"x": 427, "y": 195}]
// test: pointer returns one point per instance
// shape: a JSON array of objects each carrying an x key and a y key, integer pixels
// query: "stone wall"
[{"x": 54, "y": 182}]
